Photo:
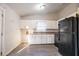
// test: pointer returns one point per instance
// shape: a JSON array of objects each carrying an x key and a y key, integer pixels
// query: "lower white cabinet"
[{"x": 41, "y": 39}]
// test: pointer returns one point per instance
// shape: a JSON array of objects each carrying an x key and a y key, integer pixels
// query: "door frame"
[{"x": 2, "y": 32}]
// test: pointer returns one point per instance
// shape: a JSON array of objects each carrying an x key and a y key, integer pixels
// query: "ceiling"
[{"x": 23, "y": 9}]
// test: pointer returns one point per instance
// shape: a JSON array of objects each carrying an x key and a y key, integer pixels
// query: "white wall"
[{"x": 12, "y": 32}]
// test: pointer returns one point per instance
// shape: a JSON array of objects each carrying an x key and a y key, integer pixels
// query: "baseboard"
[{"x": 43, "y": 44}]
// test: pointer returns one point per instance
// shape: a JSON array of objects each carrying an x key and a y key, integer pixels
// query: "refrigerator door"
[
  {"x": 77, "y": 32},
  {"x": 70, "y": 38},
  {"x": 63, "y": 36},
  {"x": 66, "y": 37}
]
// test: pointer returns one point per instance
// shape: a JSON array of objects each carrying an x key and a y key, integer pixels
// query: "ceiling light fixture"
[{"x": 40, "y": 6}]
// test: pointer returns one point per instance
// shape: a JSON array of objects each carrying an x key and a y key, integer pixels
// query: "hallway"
[{"x": 35, "y": 50}]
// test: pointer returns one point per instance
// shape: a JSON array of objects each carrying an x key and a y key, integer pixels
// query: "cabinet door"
[
  {"x": 49, "y": 39},
  {"x": 44, "y": 39},
  {"x": 35, "y": 39},
  {"x": 39, "y": 39},
  {"x": 52, "y": 39}
]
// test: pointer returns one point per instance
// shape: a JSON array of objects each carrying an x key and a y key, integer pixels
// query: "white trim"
[{"x": 3, "y": 30}]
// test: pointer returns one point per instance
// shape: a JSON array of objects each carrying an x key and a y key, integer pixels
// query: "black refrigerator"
[
  {"x": 77, "y": 17},
  {"x": 68, "y": 36},
  {"x": 56, "y": 39}
]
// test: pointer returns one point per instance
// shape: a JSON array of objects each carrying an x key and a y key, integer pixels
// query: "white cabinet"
[
  {"x": 48, "y": 39},
  {"x": 42, "y": 39},
  {"x": 52, "y": 38}
]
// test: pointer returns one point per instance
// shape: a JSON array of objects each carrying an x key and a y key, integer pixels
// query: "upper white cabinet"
[{"x": 48, "y": 24}]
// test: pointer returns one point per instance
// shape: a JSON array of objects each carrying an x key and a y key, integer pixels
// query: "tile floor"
[{"x": 35, "y": 50}]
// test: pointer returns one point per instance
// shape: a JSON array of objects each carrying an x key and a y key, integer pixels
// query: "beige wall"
[
  {"x": 67, "y": 11},
  {"x": 24, "y": 36},
  {"x": 11, "y": 31}
]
